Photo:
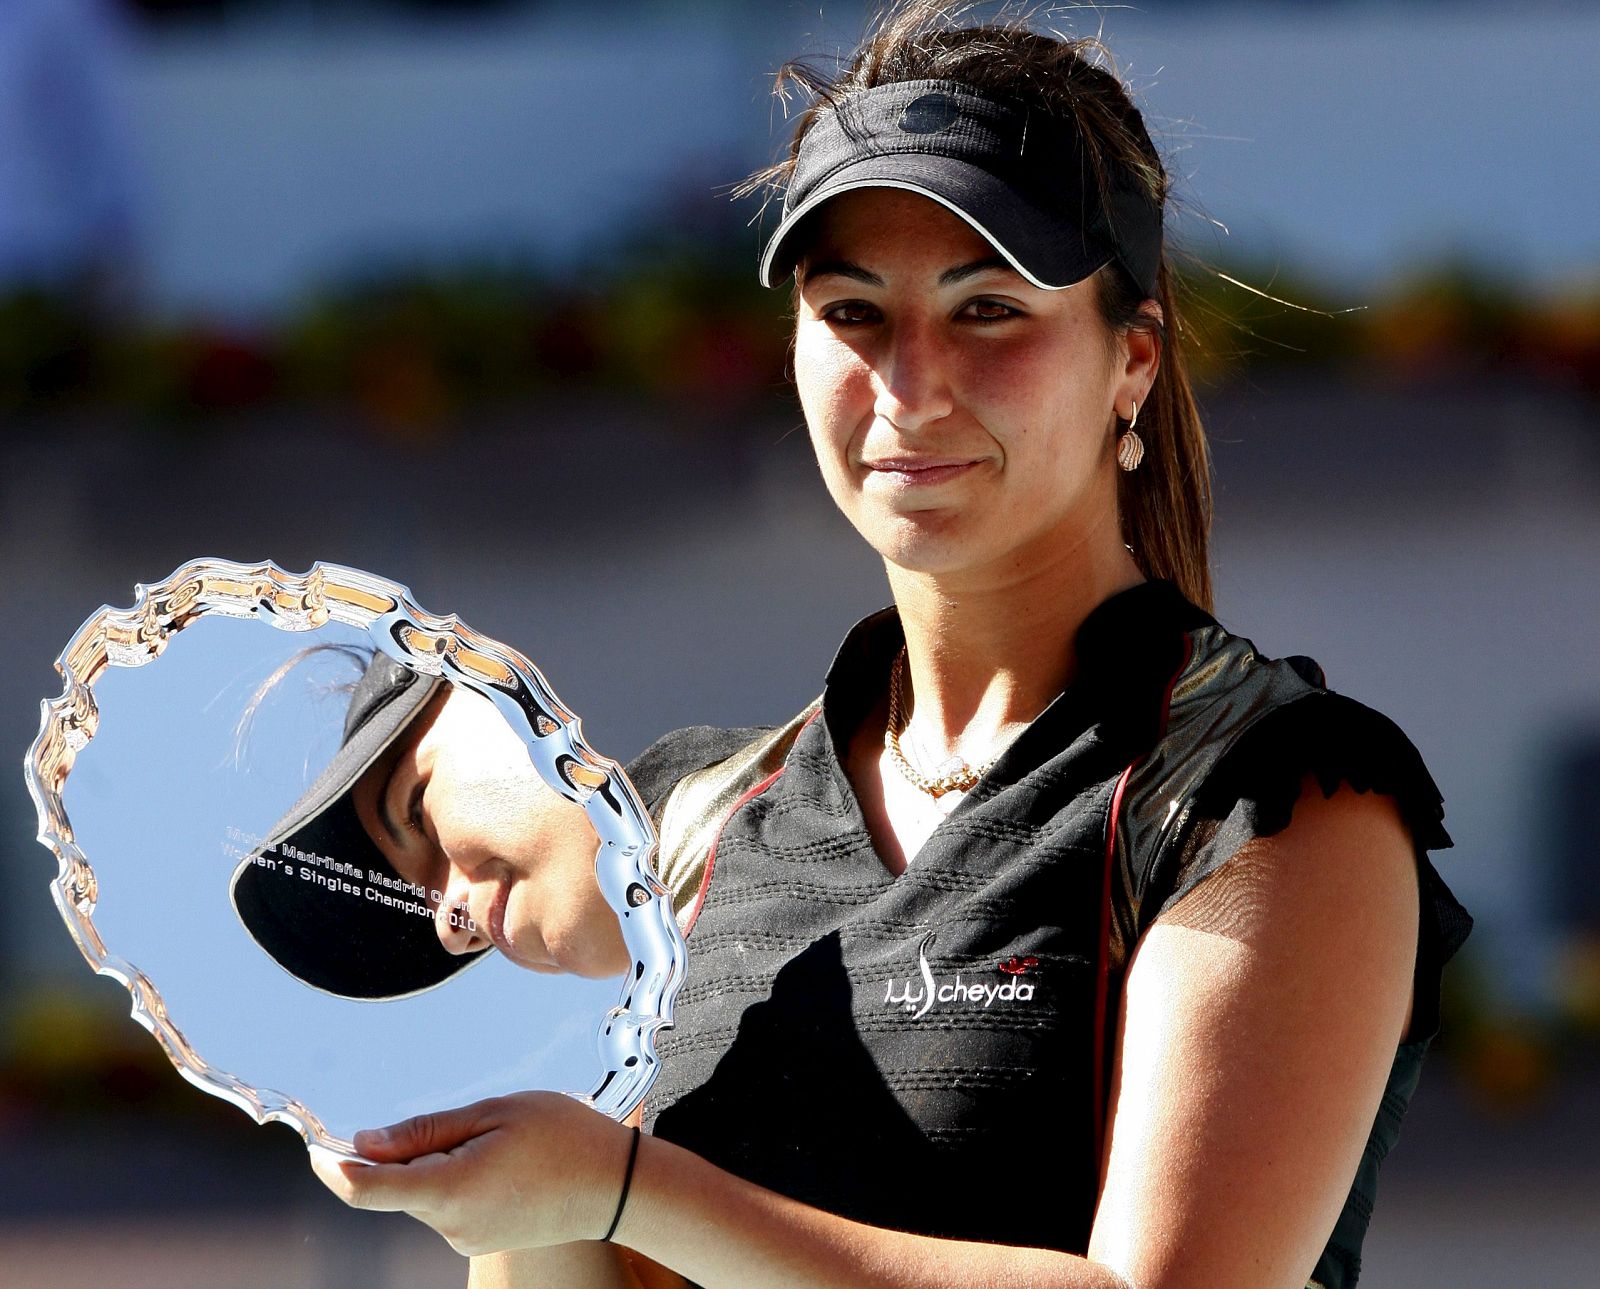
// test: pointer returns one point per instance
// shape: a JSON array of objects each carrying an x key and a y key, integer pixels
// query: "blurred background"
[{"x": 454, "y": 290}]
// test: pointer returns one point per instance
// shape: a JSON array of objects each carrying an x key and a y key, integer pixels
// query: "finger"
[
  {"x": 416, "y": 1187},
  {"x": 337, "y": 1174},
  {"x": 426, "y": 1134}
]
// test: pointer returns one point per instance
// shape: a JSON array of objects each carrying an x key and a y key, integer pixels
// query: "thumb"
[{"x": 425, "y": 1134}]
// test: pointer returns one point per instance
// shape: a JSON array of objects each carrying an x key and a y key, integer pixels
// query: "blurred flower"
[
  {"x": 64, "y": 1050},
  {"x": 674, "y": 316},
  {"x": 1509, "y": 1066},
  {"x": 1577, "y": 983}
]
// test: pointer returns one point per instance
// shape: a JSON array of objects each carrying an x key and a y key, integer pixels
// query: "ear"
[{"x": 1142, "y": 347}]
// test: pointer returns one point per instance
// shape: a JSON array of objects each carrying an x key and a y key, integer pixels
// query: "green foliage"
[{"x": 679, "y": 317}]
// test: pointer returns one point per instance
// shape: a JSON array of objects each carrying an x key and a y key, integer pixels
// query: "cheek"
[
  {"x": 834, "y": 384},
  {"x": 484, "y": 807},
  {"x": 1051, "y": 400}
]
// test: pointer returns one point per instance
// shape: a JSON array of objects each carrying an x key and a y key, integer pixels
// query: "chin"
[
  {"x": 909, "y": 539},
  {"x": 930, "y": 553},
  {"x": 595, "y": 952},
  {"x": 525, "y": 945},
  {"x": 543, "y": 965}
]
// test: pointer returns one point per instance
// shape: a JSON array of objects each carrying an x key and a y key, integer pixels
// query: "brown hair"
[{"x": 1165, "y": 506}]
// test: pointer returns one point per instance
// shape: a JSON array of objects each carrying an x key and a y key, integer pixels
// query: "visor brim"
[
  {"x": 373, "y": 942},
  {"x": 1035, "y": 243}
]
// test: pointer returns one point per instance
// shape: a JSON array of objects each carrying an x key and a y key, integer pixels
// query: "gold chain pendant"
[{"x": 959, "y": 777}]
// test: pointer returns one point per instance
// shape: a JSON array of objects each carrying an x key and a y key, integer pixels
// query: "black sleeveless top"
[{"x": 930, "y": 1051}]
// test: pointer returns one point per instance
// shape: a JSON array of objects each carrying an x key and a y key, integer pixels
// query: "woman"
[{"x": 1065, "y": 940}]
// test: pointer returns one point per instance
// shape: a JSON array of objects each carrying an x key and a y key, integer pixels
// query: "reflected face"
[
  {"x": 962, "y": 417},
  {"x": 456, "y": 806}
]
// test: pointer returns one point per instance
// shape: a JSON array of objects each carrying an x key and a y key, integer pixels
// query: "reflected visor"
[{"x": 336, "y": 939}]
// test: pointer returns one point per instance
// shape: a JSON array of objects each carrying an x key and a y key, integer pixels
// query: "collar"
[{"x": 1128, "y": 650}]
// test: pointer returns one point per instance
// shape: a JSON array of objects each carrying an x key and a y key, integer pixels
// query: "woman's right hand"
[{"x": 515, "y": 1172}]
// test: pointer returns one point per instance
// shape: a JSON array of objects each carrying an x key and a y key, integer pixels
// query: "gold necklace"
[{"x": 960, "y": 777}]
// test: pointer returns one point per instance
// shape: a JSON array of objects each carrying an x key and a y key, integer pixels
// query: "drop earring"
[{"x": 1130, "y": 447}]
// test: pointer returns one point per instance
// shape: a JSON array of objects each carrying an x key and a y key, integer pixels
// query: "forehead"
[{"x": 875, "y": 226}]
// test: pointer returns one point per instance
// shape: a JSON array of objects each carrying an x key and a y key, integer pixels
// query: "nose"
[
  {"x": 458, "y": 929},
  {"x": 911, "y": 377}
]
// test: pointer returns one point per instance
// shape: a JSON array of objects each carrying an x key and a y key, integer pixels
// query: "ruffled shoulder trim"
[
  {"x": 1339, "y": 741},
  {"x": 1253, "y": 790}
]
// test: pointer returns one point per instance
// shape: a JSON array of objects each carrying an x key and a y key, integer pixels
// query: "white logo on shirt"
[{"x": 918, "y": 998}]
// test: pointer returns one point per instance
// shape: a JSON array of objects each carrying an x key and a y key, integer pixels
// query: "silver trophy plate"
[{"x": 230, "y": 787}]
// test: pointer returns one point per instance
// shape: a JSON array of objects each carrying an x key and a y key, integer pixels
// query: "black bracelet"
[{"x": 627, "y": 1181}]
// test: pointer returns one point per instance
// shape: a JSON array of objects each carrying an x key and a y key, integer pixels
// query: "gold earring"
[{"x": 1130, "y": 447}]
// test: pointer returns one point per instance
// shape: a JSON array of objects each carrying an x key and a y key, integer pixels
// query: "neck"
[{"x": 988, "y": 652}]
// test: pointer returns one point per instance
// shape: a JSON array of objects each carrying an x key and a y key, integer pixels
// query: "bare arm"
[
  {"x": 1260, "y": 1018},
  {"x": 578, "y": 1264}
]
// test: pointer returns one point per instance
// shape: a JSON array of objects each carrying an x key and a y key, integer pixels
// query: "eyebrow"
[
  {"x": 384, "y": 817},
  {"x": 843, "y": 268},
  {"x": 963, "y": 271},
  {"x": 853, "y": 271}
]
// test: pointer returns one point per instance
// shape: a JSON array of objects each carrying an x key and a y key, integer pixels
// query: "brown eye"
[
  {"x": 413, "y": 817},
  {"x": 990, "y": 311},
  {"x": 850, "y": 313}
]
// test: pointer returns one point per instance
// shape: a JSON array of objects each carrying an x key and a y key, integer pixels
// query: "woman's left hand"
[{"x": 514, "y": 1172}]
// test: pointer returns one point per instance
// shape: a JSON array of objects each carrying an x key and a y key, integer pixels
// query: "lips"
[
  {"x": 919, "y": 471},
  {"x": 496, "y": 921},
  {"x": 534, "y": 956}
]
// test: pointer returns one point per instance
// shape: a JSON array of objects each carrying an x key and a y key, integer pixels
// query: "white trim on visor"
[{"x": 816, "y": 199}]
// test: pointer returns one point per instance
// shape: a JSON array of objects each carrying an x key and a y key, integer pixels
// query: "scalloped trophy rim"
[{"x": 436, "y": 645}]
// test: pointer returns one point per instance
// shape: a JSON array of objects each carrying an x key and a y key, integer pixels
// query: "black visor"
[
  {"x": 318, "y": 895},
  {"x": 1018, "y": 176}
]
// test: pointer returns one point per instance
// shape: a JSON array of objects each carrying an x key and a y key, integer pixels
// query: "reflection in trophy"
[
  {"x": 301, "y": 963},
  {"x": 427, "y": 840}
]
